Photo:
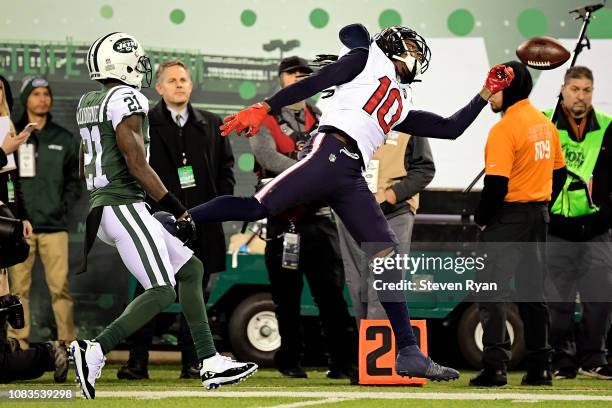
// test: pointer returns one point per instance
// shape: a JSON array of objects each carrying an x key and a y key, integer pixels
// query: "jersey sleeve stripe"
[
  {"x": 103, "y": 106},
  {"x": 139, "y": 247},
  {"x": 151, "y": 242}
]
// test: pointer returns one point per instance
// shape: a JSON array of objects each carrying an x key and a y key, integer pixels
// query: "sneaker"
[
  {"x": 190, "y": 372},
  {"x": 219, "y": 370},
  {"x": 601, "y": 372},
  {"x": 537, "y": 378},
  {"x": 564, "y": 373},
  {"x": 411, "y": 362},
  {"x": 489, "y": 378},
  {"x": 293, "y": 372},
  {"x": 133, "y": 372},
  {"x": 60, "y": 359},
  {"x": 88, "y": 362}
]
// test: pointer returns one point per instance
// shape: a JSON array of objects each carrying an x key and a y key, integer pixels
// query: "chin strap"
[{"x": 413, "y": 65}]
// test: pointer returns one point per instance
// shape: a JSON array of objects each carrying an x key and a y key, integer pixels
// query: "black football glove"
[{"x": 184, "y": 229}]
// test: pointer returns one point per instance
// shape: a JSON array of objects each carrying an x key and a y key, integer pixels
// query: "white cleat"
[
  {"x": 88, "y": 362},
  {"x": 219, "y": 370}
]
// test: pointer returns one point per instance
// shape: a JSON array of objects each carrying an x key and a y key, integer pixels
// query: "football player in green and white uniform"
[{"x": 114, "y": 130}]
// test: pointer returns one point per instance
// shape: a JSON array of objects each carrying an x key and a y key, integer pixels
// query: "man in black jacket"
[
  {"x": 49, "y": 176},
  {"x": 196, "y": 164},
  {"x": 580, "y": 253}
]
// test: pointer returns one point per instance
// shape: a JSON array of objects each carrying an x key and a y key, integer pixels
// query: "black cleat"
[{"x": 411, "y": 362}]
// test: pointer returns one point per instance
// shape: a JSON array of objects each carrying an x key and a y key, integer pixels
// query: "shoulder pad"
[{"x": 355, "y": 36}]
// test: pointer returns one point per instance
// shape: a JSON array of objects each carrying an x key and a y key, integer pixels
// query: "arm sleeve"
[
  {"x": 125, "y": 102},
  {"x": 559, "y": 177},
  {"x": 492, "y": 196},
  {"x": 428, "y": 124},
  {"x": 225, "y": 157},
  {"x": 420, "y": 169},
  {"x": 22, "y": 210},
  {"x": 339, "y": 72},
  {"x": 72, "y": 181},
  {"x": 264, "y": 150}
]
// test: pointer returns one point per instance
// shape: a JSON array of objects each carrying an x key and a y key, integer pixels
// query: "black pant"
[
  {"x": 24, "y": 364},
  {"x": 320, "y": 262},
  {"x": 141, "y": 340},
  {"x": 584, "y": 268},
  {"x": 514, "y": 242}
]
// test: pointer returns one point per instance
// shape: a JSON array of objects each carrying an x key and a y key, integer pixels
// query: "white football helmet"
[{"x": 119, "y": 56}]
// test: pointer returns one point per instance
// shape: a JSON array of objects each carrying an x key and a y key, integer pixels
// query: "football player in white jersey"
[
  {"x": 115, "y": 135},
  {"x": 371, "y": 96}
]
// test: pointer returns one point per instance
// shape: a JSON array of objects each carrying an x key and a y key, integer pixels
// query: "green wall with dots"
[
  {"x": 243, "y": 27},
  {"x": 224, "y": 41}
]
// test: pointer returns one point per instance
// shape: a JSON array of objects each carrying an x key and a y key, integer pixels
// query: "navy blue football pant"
[{"x": 331, "y": 172}]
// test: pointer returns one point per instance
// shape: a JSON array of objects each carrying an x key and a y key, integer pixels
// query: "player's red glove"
[
  {"x": 248, "y": 119},
  {"x": 499, "y": 78}
]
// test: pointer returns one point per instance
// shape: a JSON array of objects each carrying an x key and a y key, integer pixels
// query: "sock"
[
  {"x": 394, "y": 303},
  {"x": 397, "y": 313},
  {"x": 191, "y": 298},
  {"x": 142, "y": 309},
  {"x": 229, "y": 208}
]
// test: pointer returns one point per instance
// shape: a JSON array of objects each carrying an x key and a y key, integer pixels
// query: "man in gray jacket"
[{"x": 400, "y": 169}]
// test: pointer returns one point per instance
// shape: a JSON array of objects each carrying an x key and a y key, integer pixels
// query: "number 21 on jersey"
[{"x": 92, "y": 154}]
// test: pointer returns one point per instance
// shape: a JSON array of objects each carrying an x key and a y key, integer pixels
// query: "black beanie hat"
[
  {"x": 31, "y": 83},
  {"x": 520, "y": 87}
]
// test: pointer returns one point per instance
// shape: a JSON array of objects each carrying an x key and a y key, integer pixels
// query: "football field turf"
[{"x": 268, "y": 389}]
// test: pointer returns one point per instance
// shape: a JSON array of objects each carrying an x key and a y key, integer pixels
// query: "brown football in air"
[{"x": 542, "y": 53}]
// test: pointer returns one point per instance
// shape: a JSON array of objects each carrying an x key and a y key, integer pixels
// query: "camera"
[{"x": 13, "y": 247}]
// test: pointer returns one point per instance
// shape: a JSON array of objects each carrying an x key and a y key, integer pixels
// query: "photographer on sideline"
[{"x": 312, "y": 226}]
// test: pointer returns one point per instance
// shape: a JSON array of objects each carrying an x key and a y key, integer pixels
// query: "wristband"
[{"x": 172, "y": 204}]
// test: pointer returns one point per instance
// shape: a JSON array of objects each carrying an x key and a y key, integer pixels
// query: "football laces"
[{"x": 539, "y": 63}]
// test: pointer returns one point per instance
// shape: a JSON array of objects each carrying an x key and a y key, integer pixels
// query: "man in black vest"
[
  {"x": 196, "y": 164},
  {"x": 302, "y": 242}
]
